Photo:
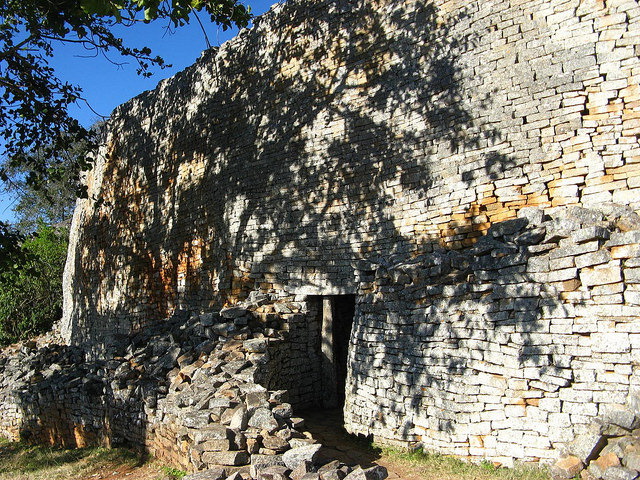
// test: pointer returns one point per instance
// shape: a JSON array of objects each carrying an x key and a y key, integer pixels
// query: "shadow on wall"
[
  {"x": 462, "y": 344},
  {"x": 279, "y": 162}
]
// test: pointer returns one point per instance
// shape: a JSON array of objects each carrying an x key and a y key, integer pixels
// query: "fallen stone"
[
  {"x": 301, "y": 470},
  {"x": 631, "y": 457},
  {"x": 234, "y": 367},
  {"x": 238, "y": 440},
  {"x": 263, "y": 418},
  {"x": 377, "y": 472},
  {"x": 332, "y": 465},
  {"x": 226, "y": 458},
  {"x": 240, "y": 418},
  {"x": 273, "y": 442},
  {"x": 620, "y": 416},
  {"x": 275, "y": 472},
  {"x": 210, "y": 432},
  {"x": 332, "y": 471},
  {"x": 333, "y": 475},
  {"x": 253, "y": 445},
  {"x": 211, "y": 474},
  {"x": 566, "y": 467},
  {"x": 233, "y": 312},
  {"x": 260, "y": 462},
  {"x": 598, "y": 466},
  {"x": 216, "y": 445},
  {"x": 255, "y": 400},
  {"x": 619, "y": 473},
  {"x": 587, "y": 446},
  {"x": 283, "y": 411},
  {"x": 296, "y": 422},
  {"x": 294, "y": 457},
  {"x": 300, "y": 442},
  {"x": 196, "y": 420},
  {"x": 255, "y": 345}
]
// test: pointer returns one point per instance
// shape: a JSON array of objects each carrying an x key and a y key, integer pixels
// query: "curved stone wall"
[{"x": 337, "y": 136}]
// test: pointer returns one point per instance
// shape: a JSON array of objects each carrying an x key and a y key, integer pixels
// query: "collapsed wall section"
[{"x": 335, "y": 136}]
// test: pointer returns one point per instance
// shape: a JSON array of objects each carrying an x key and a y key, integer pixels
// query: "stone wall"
[
  {"x": 337, "y": 144},
  {"x": 509, "y": 349},
  {"x": 184, "y": 389}
]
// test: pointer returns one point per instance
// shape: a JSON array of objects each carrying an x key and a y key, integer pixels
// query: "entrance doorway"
[{"x": 337, "y": 320}]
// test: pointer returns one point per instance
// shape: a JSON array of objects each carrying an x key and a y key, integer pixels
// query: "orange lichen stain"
[
  {"x": 80, "y": 437},
  {"x": 464, "y": 228}
]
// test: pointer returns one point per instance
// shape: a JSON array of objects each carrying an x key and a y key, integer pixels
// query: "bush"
[{"x": 31, "y": 285}]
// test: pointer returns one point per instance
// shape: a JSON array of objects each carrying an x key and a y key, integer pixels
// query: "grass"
[
  {"x": 433, "y": 465},
  {"x": 173, "y": 473},
  {"x": 19, "y": 461}
]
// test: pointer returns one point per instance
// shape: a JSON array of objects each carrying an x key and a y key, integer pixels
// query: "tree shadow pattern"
[{"x": 330, "y": 134}]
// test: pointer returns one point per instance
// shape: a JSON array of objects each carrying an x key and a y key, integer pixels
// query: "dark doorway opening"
[
  {"x": 337, "y": 321},
  {"x": 345, "y": 309}
]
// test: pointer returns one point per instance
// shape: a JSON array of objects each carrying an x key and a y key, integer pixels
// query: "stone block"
[
  {"x": 590, "y": 259},
  {"x": 619, "y": 415},
  {"x": 377, "y": 472},
  {"x": 566, "y": 467},
  {"x": 619, "y": 473},
  {"x": 625, "y": 251},
  {"x": 600, "y": 275},
  {"x": 598, "y": 466},
  {"x": 210, "y": 474},
  {"x": 294, "y": 457},
  {"x": 632, "y": 275},
  {"x": 631, "y": 458},
  {"x": 590, "y": 233},
  {"x": 216, "y": 445},
  {"x": 210, "y": 432},
  {"x": 226, "y": 458},
  {"x": 240, "y": 418},
  {"x": 610, "y": 342},
  {"x": 260, "y": 462},
  {"x": 263, "y": 419},
  {"x": 302, "y": 469},
  {"x": 587, "y": 446},
  {"x": 233, "y": 312}
]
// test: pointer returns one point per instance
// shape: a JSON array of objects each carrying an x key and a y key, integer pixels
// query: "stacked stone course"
[{"x": 509, "y": 349}]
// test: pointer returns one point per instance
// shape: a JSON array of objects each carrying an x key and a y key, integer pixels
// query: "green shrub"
[{"x": 31, "y": 286}]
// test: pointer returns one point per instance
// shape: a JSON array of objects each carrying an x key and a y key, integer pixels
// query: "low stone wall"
[{"x": 506, "y": 350}]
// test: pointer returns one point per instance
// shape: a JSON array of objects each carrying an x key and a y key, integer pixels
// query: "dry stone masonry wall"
[
  {"x": 185, "y": 389},
  {"x": 469, "y": 170}
]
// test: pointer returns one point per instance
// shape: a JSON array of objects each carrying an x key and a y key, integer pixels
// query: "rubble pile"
[
  {"x": 609, "y": 451},
  {"x": 186, "y": 388}
]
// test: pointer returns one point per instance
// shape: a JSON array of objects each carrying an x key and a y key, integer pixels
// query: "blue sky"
[{"x": 105, "y": 85}]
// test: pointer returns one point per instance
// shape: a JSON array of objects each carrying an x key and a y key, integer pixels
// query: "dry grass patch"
[
  {"x": 443, "y": 467},
  {"x": 19, "y": 461}
]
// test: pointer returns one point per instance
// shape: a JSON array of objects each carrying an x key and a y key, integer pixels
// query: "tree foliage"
[
  {"x": 39, "y": 139},
  {"x": 52, "y": 202},
  {"x": 31, "y": 286},
  {"x": 35, "y": 126}
]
